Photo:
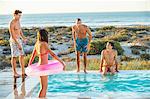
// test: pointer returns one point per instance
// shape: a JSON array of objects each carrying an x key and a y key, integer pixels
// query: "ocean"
[{"x": 91, "y": 19}]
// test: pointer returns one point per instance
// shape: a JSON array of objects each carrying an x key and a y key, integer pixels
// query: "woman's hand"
[{"x": 29, "y": 64}]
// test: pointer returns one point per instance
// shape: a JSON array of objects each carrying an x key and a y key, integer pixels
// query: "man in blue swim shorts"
[{"x": 81, "y": 42}]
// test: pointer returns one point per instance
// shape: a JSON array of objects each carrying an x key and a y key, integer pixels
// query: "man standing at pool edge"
[
  {"x": 81, "y": 42},
  {"x": 16, "y": 37}
]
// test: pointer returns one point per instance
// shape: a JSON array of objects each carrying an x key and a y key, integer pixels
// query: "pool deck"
[{"x": 25, "y": 87}]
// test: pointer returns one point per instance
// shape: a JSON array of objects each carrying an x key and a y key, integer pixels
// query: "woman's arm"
[
  {"x": 32, "y": 56},
  {"x": 116, "y": 62},
  {"x": 54, "y": 56}
]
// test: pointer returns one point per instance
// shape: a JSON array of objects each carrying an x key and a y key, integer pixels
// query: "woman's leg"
[{"x": 43, "y": 83}]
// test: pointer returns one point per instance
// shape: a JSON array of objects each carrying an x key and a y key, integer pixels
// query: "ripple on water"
[{"x": 95, "y": 85}]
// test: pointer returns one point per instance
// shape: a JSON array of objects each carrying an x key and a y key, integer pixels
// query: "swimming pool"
[{"x": 124, "y": 85}]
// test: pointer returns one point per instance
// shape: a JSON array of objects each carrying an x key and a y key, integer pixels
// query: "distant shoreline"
[
  {"x": 30, "y": 27},
  {"x": 81, "y": 12},
  {"x": 92, "y": 19}
]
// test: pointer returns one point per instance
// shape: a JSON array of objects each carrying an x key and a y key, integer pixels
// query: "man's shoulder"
[
  {"x": 103, "y": 51},
  {"x": 12, "y": 22},
  {"x": 84, "y": 25},
  {"x": 114, "y": 51},
  {"x": 73, "y": 26}
]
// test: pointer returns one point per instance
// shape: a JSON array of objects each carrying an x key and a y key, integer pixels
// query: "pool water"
[{"x": 124, "y": 85}]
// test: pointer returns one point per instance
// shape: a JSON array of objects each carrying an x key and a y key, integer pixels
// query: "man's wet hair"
[
  {"x": 112, "y": 44},
  {"x": 17, "y": 11},
  {"x": 78, "y": 19}
]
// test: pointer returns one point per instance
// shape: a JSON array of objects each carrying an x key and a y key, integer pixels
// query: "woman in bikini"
[
  {"x": 41, "y": 50},
  {"x": 109, "y": 60}
]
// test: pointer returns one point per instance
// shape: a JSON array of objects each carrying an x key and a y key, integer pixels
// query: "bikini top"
[{"x": 42, "y": 54}]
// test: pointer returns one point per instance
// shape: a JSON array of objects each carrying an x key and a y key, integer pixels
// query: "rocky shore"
[{"x": 132, "y": 42}]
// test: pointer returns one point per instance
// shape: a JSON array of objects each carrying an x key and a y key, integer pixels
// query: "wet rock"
[
  {"x": 99, "y": 36},
  {"x": 6, "y": 51}
]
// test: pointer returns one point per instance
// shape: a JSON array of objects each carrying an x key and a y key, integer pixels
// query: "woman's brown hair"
[{"x": 42, "y": 35}]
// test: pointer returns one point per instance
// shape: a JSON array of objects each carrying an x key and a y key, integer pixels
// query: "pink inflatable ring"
[{"x": 52, "y": 67}]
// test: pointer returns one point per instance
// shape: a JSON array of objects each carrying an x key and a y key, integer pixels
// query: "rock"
[
  {"x": 6, "y": 51},
  {"x": 141, "y": 32},
  {"x": 98, "y": 36},
  {"x": 52, "y": 48}
]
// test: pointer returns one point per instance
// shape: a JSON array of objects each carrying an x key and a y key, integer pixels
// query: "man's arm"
[
  {"x": 22, "y": 36},
  {"x": 21, "y": 33},
  {"x": 101, "y": 60},
  {"x": 90, "y": 34},
  {"x": 74, "y": 37},
  {"x": 90, "y": 38},
  {"x": 116, "y": 62}
]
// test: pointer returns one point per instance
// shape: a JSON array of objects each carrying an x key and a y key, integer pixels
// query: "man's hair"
[
  {"x": 17, "y": 11},
  {"x": 78, "y": 19},
  {"x": 109, "y": 43}
]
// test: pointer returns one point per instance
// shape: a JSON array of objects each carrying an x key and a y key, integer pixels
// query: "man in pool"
[
  {"x": 109, "y": 60},
  {"x": 16, "y": 41},
  {"x": 81, "y": 42}
]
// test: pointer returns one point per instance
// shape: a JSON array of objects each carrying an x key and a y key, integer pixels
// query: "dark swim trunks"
[{"x": 81, "y": 44}]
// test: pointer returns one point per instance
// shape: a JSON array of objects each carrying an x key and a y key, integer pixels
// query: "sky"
[{"x": 72, "y": 6}]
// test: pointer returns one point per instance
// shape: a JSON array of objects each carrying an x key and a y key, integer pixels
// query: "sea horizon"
[{"x": 92, "y": 19}]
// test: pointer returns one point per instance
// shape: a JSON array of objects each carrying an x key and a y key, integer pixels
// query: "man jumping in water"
[{"x": 81, "y": 42}]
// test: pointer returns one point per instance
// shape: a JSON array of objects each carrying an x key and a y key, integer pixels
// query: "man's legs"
[
  {"x": 21, "y": 61},
  {"x": 104, "y": 70},
  {"x": 112, "y": 69},
  {"x": 13, "y": 63},
  {"x": 78, "y": 61},
  {"x": 85, "y": 61}
]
